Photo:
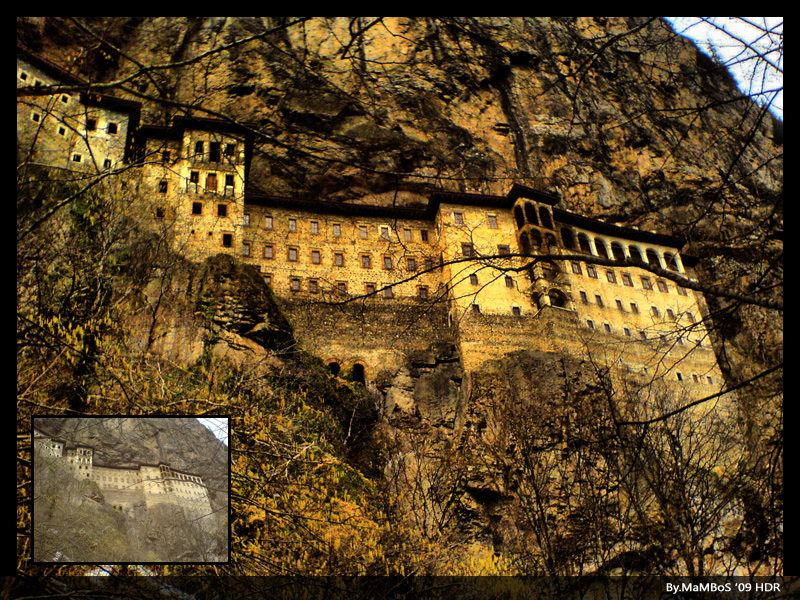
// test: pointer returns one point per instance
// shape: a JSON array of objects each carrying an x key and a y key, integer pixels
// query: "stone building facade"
[
  {"x": 126, "y": 487},
  {"x": 366, "y": 286},
  {"x": 75, "y": 130}
]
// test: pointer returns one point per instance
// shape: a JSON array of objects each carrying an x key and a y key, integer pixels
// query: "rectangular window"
[
  {"x": 428, "y": 264},
  {"x": 62, "y": 130},
  {"x": 584, "y": 297},
  {"x": 619, "y": 305},
  {"x": 230, "y": 151},
  {"x": 576, "y": 268},
  {"x": 269, "y": 252},
  {"x": 316, "y": 257},
  {"x": 423, "y": 235},
  {"x": 384, "y": 233},
  {"x": 338, "y": 259},
  {"x": 662, "y": 286},
  {"x": 369, "y": 288},
  {"x": 467, "y": 249},
  {"x": 509, "y": 281},
  {"x": 647, "y": 283},
  {"x": 337, "y": 229},
  {"x": 246, "y": 220},
  {"x": 422, "y": 292},
  {"x": 366, "y": 261},
  {"x": 627, "y": 332},
  {"x": 590, "y": 323},
  {"x": 341, "y": 288},
  {"x": 229, "y": 184},
  {"x": 211, "y": 182},
  {"x": 292, "y": 254},
  {"x": 387, "y": 262},
  {"x": 314, "y": 227},
  {"x": 473, "y": 279},
  {"x": 407, "y": 235},
  {"x": 493, "y": 221},
  {"x": 388, "y": 291},
  {"x": 292, "y": 225},
  {"x": 634, "y": 308},
  {"x": 197, "y": 208},
  {"x": 222, "y": 210},
  {"x": 91, "y": 124},
  {"x": 411, "y": 264},
  {"x": 78, "y": 158},
  {"x": 227, "y": 240},
  {"x": 654, "y": 311},
  {"x": 607, "y": 327},
  {"x": 598, "y": 299},
  {"x": 503, "y": 250},
  {"x": 214, "y": 152},
  {"x": 295, "y": 284},
  {"x": 268, "y": 222},
  {"x": 112, "y": 128},
  {"x": 163, "y": 185},
  {"x": 626, "y": 280},
  {"x": 246, "y": 249},
  {"x": 611, "y": 276},
  {"x": 198, "y": 150},
  {"x": 458, "y": 218},
  {"x": 313, "y": 286},
  {"x": 516, "y": 311},
  {"x": 362, "y": 232},
  {"x": 592, "y": 272},
  {"x": 476, "y": 309}
]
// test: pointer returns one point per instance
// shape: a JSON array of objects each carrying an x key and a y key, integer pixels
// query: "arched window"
[
  {"x": 530, "y": 214},
  {"x": 601, "y": 247},
  {"x": 557, "y": 298},
  {"x": 567, "y": 238},
  {"x": 652, "y": 258},
  {"x": 617, "y": 251},
  {"x": 551, "y": 241},
  {"x": 536, "y": 239},
  {"x": 358, "y": 373},
  {"x": 334, "y": 367},
  {"x": 524, "y": 243},
  {"x": 544, "y": 215},
  {"x": 585, "y": 243},
  {"x": 519, "y": 216},
  {"x": 672, "y": 264},
  {"x": 636, "y": 254}
]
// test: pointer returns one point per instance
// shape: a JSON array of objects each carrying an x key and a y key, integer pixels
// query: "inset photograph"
[{"x": 130, "y": 490}]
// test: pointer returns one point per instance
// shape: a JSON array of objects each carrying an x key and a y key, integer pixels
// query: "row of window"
[
  {"x": 642, "y": 335},
  {"x": 383, "y": 231},
  {"x": 491, "y": 219},
  {"x": 596, "y": 247},
  {"x": 634, "y": 308},
  {"x": 341, "y": 288},
  {"x": 627, "y": 280},
  {"x": 110, "y": 127},
  {"x": 365, "y": 260},
  {"x": 213, "y": 152},
  {"x": 212, "y": 185}
]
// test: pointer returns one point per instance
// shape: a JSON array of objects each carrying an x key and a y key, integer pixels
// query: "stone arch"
[
  {"x": 636, "y": 254},
  {"x": 602, "y": 250},
  {"x": 524, "y": 242},
  {"x": 530, "y": 214},
  {"x": 617, "y": 251},
  {"x": 567, "y": 238},
  {"x": 334, "y": 366},
  {"x": 359, "y": 373},
  {"x": 585, "y": 243},
  {"x": 519, "y": 216},
  {"x": 557, "y": 298},
  {"x": 652, "y": 258},
  {"x": 544, "y": 215}
]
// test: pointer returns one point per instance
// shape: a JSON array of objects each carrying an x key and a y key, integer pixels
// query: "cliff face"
[{"x": 621, "y": 117}]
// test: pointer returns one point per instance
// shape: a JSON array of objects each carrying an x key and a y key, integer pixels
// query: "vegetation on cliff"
[{"x": 624, "y": 119}]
